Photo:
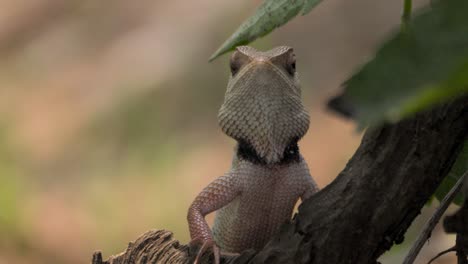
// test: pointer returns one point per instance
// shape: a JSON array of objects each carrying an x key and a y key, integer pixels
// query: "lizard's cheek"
[{"x": 264, "y": 111}]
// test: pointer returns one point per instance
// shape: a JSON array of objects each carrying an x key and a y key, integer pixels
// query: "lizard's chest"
[
  {"x": 267, "y": 190},
  {"x": 267, "y": 184},
  {"x": 266, "y": 202}
]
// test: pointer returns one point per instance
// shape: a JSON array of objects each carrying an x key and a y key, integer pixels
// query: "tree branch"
[
  {"x": 432, "y": 222},
  {"x": 458, "y": 223},
  {"x": 373, "y": 201}
]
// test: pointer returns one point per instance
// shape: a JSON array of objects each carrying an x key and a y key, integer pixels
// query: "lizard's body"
[
  {"x": 263, "y": 112},
  {"x": 267, "y": 200}
]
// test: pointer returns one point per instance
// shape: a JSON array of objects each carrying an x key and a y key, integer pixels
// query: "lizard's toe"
[{"x": 207, "y": 245}]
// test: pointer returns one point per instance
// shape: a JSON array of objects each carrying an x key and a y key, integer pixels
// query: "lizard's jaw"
[{"x": 264, "y": 111}]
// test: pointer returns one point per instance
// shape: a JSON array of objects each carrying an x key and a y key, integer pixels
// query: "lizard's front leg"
[{"x": 213, "y": 197}]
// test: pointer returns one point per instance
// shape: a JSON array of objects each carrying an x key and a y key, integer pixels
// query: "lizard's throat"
[
  {"x": 245, "y": 151},
  {"x": 269, "y": 135}
]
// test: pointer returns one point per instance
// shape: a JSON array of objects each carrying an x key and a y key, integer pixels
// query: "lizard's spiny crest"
[{"x": 262, "y": 105}]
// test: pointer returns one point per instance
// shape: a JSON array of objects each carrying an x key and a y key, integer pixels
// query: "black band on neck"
[{"x": 246, "y": 151}]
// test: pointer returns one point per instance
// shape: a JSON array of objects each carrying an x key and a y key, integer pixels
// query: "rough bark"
[
  {"x": 371, "y": 203},
  {"x": 155, "y": 246}
]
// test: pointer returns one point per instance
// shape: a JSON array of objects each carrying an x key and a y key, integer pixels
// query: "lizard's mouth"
[{"x": 263, "y": 111}]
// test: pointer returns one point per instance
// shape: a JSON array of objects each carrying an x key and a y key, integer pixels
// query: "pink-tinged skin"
[{"x": 252, "y": 200}]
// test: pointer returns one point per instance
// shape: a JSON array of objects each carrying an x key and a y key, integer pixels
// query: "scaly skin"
[{"x": 263, "y": 112}]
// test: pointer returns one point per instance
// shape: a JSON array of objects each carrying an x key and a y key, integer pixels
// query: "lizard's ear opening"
[{"x": 238, "y": 60}]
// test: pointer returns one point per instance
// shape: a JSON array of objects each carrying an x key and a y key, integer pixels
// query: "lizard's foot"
[{"x": 206, "y": 245}]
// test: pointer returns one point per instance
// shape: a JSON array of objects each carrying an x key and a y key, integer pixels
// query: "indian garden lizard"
[{"x": 263, "y": 112}]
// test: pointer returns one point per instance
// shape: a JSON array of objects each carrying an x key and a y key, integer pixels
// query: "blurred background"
[{"x": 108, "y": 113}]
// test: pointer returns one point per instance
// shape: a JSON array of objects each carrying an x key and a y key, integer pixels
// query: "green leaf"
[
  {"x": 268, "y": 16},
  {"x": 309, "y": 5},
  {"x": 458, "y": 168},
  {"x": 422, "y": 66}
]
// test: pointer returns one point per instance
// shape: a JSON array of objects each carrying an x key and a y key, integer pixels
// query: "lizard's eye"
[
  {"x": 238, "y": 60},
  {"x": 291, "y": 67},
  {"x": 234, "y": 67}
]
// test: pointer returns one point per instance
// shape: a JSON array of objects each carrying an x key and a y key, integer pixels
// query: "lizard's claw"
[{"x": 207, "y": 245}]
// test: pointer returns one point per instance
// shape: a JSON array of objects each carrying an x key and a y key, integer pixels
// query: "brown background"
[{"x": 108, "y": 114}]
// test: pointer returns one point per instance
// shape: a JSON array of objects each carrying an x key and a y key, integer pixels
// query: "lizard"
[{"x": 263, "y": 112}]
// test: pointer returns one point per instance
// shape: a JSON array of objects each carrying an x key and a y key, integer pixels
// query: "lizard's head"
[{"x": 262, "y": 108}]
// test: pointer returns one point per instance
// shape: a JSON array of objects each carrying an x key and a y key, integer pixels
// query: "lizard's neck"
[{"x": 245, "y": 151}]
